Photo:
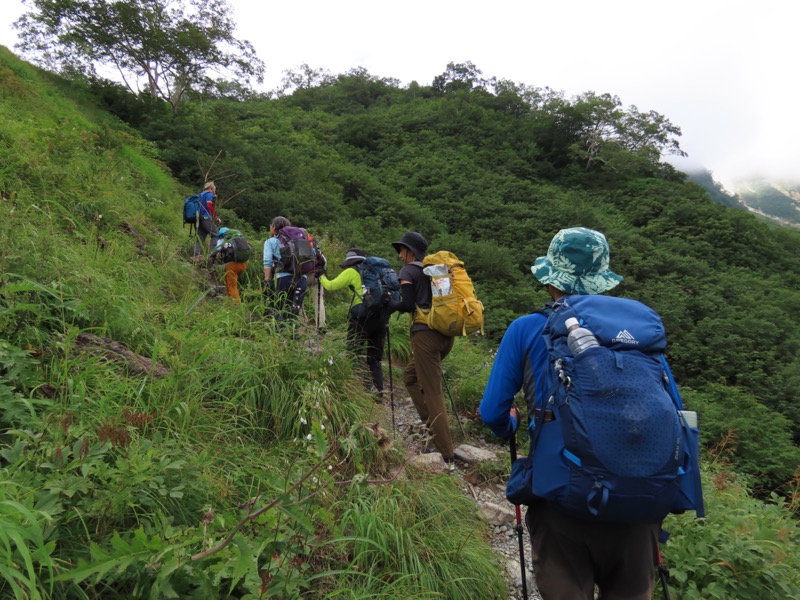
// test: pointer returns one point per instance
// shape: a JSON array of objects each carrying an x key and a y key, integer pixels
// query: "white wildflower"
[
  {"x": 309, "y": 437},
  {"x": 303, "y": 421}
]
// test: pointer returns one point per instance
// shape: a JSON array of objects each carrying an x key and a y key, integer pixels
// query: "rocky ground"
[{"x": 475, "y": 465}]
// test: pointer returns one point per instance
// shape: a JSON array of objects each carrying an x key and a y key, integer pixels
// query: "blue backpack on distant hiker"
[
  {"x": 194, "y": 209},
  {"x": 379, "y": 285},
  {"x": 612, "y": 442}
]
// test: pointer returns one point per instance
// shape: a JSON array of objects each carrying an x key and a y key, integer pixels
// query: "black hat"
[
  {"x": 354, "y": 256},
  {"x": 414, "y": 242}
]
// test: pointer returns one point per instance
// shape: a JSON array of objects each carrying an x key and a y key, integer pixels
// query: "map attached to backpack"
[
  {"x": 298, "y": 254},
  {"x": 379, "y": 285},
  {"x": 612, "y": 443},
  {"x": 454, "y": 310}
]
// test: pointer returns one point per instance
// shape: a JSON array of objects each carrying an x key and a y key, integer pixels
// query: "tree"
[
  {"x": 621, "y": 140},
  {"x": 168, "y": 45},
  {"x": 462, "y": 76}
]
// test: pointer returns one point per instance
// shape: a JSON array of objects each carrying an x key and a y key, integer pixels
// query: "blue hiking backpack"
[
  {"x": 379, "y": 285},
  {"x": 612, "y": 441},
  {"x": 194, "y": 209}
]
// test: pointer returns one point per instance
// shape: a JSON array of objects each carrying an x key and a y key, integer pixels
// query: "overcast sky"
[{"x": 724, "y": 71}]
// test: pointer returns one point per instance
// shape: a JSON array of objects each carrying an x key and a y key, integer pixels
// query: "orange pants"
[{"x": 232, "y": 271}]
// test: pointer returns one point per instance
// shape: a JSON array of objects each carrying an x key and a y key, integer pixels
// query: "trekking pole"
[
  {"x": 513, "y": 444},
  {"x": 455, "y": 412},
  {"x": 319, "y": 300},
  {"x": 663, "y": 571},
  {"x": 391, "y": 383}
]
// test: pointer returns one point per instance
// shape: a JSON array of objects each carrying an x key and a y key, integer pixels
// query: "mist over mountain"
[{"x": 773, "y": 199}]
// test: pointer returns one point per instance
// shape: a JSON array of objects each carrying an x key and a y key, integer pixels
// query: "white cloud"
[{"x": 722, "y": 70}]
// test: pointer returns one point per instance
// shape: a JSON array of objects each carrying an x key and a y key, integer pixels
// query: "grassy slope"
[{"x": 112, "y": 480}]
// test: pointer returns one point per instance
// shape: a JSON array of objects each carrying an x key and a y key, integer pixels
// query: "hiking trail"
[{"x": 488, "y": 495}]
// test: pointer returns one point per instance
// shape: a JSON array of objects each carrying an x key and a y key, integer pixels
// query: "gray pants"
[{"x": 204, "y": 229}]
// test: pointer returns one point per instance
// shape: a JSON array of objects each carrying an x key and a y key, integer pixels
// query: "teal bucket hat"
[{"x": 577, "y": 263}]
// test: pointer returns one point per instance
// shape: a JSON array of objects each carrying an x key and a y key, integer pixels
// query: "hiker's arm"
[
  {"x": 347, "y": 278},
  {"x": 504, "y": 383},
  {"x": 211, "y": 209},
  {"x": 270, "y": 247},
  {"x": 408, "y": 299}
]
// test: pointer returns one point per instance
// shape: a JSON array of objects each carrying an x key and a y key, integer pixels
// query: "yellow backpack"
[{"x": 455, "y": 310}]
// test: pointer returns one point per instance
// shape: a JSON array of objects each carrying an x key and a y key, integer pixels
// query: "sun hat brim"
[
  {"x": 595, "y": 283},
  {"x": 353, "y": 260}
]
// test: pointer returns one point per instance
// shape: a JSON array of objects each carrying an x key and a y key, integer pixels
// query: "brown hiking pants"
[
  {"x": 571, "y": 555},
  {"x": 423, "y": 380}
]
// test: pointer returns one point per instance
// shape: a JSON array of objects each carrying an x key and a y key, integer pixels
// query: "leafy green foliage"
[
  {"x": 173, "y": 47},
  {"x": 743, "y": 549}
]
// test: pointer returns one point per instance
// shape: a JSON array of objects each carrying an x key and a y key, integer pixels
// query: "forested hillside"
[
  {"x": 491, "y": 169},
  {"x": 156, "y": 441}
]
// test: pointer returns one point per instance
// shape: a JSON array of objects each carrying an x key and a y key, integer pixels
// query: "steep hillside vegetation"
[
  {"x": 490, "y": 170},
  {"x": 156, "y": 441}
]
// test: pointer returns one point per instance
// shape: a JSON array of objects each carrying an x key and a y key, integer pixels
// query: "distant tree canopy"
[{"x": 165, "y": 47}]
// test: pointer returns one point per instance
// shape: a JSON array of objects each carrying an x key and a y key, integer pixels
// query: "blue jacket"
[{"x": 520, "y": 363}]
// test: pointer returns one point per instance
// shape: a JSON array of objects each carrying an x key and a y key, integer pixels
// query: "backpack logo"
[{"x": 624, "y": 337}]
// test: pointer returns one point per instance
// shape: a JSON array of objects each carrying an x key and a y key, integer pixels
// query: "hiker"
[
  {"x": 423, "y": 373},
  {"x": 284, "y": 288},
  {"x": 362, "y": 329},
  {"x": 208, "y": 221},
  {"x": 570, "y": 554},
  {"x": 234, "y": 251}
]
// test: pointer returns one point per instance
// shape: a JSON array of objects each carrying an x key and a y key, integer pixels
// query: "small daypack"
[
  {"x": 612, "y": 441},
  {"x": 454, "y": 310},
  {"x": 298, "y": 254},
  {"x": 242, "y": 250},
  {"x": 194, "y": 210},
  {"x": 235, "y": 248},
  {"x": 379, "y": 285}
]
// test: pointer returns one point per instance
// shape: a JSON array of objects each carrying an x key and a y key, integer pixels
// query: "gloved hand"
[{"x": 392, "y": 306}]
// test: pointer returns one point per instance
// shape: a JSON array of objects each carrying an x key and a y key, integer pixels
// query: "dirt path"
[{"x": 503, "y": 537}]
